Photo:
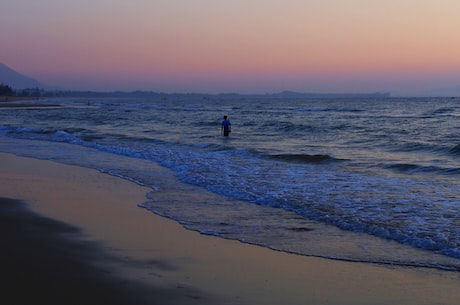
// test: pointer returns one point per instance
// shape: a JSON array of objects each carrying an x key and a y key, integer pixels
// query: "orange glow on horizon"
[{"x": 204, "y": 39}]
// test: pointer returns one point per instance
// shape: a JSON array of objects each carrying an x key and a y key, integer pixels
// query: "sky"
[{"x": 244, "y": 46}]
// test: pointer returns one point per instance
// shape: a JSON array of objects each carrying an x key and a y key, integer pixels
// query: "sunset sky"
[{"x": 247, "y": 46}]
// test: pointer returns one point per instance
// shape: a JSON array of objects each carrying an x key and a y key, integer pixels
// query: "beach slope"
[{"x": 76, "y": 236}]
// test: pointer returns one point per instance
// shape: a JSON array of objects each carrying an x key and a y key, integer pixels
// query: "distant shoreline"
[
  {"x": 10, "y": 102},
  {"x": 4, "y": 98}
]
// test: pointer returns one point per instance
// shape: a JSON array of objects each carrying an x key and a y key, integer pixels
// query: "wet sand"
[
  {"x": 79, "y": 235},
  {"x": 46, "y": 262}
]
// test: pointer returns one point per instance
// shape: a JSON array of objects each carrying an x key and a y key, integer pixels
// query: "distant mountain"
[{"x": 17, "y": 80}]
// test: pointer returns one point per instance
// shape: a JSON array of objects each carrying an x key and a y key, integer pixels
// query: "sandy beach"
[
  {"x": 76, "y": 236},
  {"x": 23, "y": 102},
  {"x": 4, "y": 98}
]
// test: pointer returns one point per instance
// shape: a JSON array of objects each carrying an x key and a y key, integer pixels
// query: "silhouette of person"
[{"x": 226, "y": 126}]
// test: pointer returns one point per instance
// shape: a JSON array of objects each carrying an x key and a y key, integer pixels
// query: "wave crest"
[{"x": 455, "y": 150}]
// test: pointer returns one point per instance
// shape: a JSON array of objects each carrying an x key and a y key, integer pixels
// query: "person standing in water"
[{"x": 226, "y": 126}]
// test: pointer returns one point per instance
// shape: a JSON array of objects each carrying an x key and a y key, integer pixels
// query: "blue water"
[{"x": 360, "y": 179}]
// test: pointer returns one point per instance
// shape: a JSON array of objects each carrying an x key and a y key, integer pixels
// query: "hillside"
[{"x": 17, "y": 80}]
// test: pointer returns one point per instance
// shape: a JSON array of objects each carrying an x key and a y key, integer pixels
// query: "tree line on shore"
[{"x": 6, "y": 90}]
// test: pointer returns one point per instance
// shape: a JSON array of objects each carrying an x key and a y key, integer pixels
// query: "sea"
[{"x": 359, "y": 179}]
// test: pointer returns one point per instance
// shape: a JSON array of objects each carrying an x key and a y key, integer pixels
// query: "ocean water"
[{"x": 359, "y": 179}]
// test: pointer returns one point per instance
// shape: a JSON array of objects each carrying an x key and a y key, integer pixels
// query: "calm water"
[{"x": 373, "y": 180}]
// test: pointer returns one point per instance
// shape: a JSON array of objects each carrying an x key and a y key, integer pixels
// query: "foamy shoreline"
[{"x": 167, "y": 255}]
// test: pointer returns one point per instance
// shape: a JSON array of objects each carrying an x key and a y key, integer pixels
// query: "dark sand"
[{"x": 45, "y": 261}]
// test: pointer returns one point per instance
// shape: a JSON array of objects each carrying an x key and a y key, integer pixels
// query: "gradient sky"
[{"x": 247, "y": 46}]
